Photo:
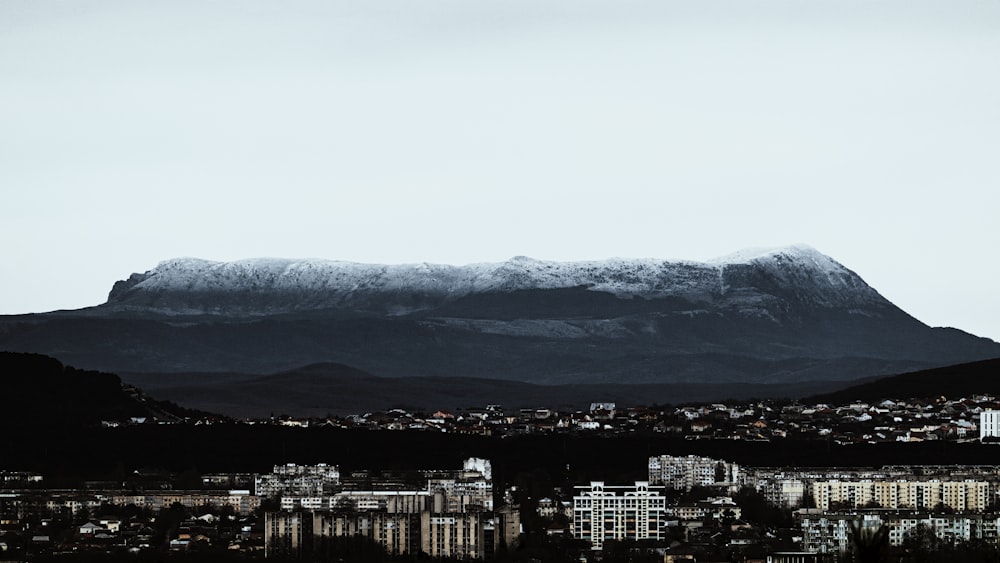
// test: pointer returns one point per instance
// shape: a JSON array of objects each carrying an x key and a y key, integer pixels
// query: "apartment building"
[
  {"x": 398, "y": 533},
  {"x": 451, "y": 515},
  {"x": 241, "y": 501},
  {"x": 300, "y": 480},
  {"x": 989, "y": 424},
  {"x": 832, "y": 533},
  {"x": 602, "y": 512},
  {"x": 917, "y": 495},
  {"x": 287, "y": 534},
  {"x": 685, "y": 472},
  {"x": 783, "y": 490}
]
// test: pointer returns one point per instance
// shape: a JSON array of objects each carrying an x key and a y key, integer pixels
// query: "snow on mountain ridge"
[
  {"x": 334, "y": 283},
  {"x": 631, "y": 276}
]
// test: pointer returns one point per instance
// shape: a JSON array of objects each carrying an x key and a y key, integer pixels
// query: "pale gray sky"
[{"x": 458, "y": 131}]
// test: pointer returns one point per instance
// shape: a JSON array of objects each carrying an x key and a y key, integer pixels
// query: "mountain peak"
[{"x": 794, "y": 251}]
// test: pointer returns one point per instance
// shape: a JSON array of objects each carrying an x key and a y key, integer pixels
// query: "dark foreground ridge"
[
  {"x": 963, "y": 380},
  {"x": 39, "y": 391}
]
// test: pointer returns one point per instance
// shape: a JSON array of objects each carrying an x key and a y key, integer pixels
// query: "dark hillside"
[
  {"x": 39, "y": 391},
  {"x": 330, "y": 388},
  {"x": 960, "y": 380}
]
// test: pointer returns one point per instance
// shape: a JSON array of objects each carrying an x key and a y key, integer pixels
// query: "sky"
[{"x": 450, "y": 131}]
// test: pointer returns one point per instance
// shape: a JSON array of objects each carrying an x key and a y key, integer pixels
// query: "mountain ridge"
[
  {"x": 195, "y": 286},
  {"x": 782, "y": 315}
]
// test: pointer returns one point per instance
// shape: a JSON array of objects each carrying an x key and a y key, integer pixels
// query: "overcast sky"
[{"x": 470, "y": 131}]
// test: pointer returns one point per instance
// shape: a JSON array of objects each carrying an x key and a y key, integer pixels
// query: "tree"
[
  {"x": 756, "y": 509},
  {"x": 169, "y": 520},
  {"x": 942, "y": 508},
  {"x": 728, "y": 516},
  {"x": 871, "y": 542},
  {"x": 189, "y": 480}
]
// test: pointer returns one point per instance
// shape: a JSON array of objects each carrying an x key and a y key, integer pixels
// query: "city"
[{"x": 683, "y": 508}]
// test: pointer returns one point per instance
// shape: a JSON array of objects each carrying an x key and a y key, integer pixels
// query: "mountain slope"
[{"x": 764, "y": 316}]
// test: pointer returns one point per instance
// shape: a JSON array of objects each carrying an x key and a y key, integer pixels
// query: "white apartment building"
[
  {"x": 685, "y": 472},
  {"x": 478, "y": 465},
  {"x": 782, "y": 490},
  {"x": 989, "y": 424},
  {"x": 299, "y": 480},
  {"x": 602, "y": 513},
  {"x": 391, "y": 501}
]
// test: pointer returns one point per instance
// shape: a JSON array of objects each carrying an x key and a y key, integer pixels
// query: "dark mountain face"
[{"x": 785, "y": 315}]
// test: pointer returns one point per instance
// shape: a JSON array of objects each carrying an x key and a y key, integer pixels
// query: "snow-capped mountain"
[
  {"x": 760, "y": 316},
  {"x": 747, "y": 280}
]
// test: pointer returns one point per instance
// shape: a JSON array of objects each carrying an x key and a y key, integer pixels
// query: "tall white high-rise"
[
  {"x": 989, "y": 424},
  {"x": 602, "y": 513}
]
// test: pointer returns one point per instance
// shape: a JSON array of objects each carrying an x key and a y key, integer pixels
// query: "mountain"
[
  {"x": 271, "y": 286},
  {"x": 765, "y": 316}
]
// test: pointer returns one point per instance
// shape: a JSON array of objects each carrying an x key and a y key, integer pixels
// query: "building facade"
[
  {"x": 602, "y": 513},
  {"x": 989, "y": 424},
  {"x": 287, "y": 534},
  {"x": 830, "y": 533},
  {"x": 301, "y": 480},
  {"x": 685, "y": 472},
  {"x": 917, "y": 495},
  {"x": 450, "y": 516}
]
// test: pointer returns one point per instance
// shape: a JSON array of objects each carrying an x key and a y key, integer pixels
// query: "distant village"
[{"x": 858, "y": 422}]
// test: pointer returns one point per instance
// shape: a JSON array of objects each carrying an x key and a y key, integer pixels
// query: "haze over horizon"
[{"x": 396, "y": 132}]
